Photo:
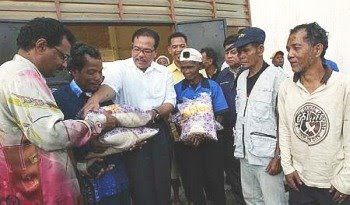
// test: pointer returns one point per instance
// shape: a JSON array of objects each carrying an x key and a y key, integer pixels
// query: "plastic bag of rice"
[
  {"x": 127, "y": 116},
  {"x": 197, "y": 118},
  {"x": 121, "y": 139}
]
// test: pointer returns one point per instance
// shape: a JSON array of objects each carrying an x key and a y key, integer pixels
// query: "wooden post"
[
  {"x": 214, "y": 9},
  {"x": 113, "y": 41},
  {"x": 58, "y": 9},
  {"x": 248, "y": 13},
  {"x": 172, "y": 10},
  {"x": 121, "y": 9}
]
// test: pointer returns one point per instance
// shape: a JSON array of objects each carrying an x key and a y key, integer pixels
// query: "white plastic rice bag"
[
  {"x": 197, "y": 118},
  {"x": 122, "y": 139},
  {"x": 129, "y": 116}
]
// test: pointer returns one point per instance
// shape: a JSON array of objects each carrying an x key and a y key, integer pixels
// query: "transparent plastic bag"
[{"x": 197, "y": 118}]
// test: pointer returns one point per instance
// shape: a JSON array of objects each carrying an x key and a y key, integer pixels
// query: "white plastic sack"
[
  {"x": 122, "y": 139},
  {"x": 197, "y": 118}
]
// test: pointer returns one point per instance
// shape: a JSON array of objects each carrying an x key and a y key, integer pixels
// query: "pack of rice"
[
  {"x": 121, "y": 139},
  {"x": 129, "y": 116},
  {"x": 197, "y": 119},
  {"x": 131, "y": 131}
]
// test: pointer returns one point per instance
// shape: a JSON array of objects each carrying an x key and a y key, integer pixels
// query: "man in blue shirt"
[
  {"x": 201, "y": 166},
  {"x": 85, "y": 66},
  {"x": 227, "y": 80}
]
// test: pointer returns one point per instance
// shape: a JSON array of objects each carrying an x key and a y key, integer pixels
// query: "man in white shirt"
[
  {"x": 142, "y": 83},
  {"x": 314, "y": 112}
]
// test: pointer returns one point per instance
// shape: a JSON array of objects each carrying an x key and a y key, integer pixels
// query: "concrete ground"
[{"x": 230, "y": 200}]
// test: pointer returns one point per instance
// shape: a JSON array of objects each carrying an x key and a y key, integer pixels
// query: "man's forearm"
[
  {"x": 165, "y": 109},
  {"x": 104, "y": 93}
]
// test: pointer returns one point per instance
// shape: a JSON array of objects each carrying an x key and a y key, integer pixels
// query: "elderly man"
[
  {"x": 85, "y": 65},
  {"x": 202, "y": 166},
  {"x": 142, "y": 83},
  {"x": 278, "y": 59},
  {"x": 176, "y": 43},
  {"x": 314, "y": 129},
  {"x": 34, "y": 165},
  {"x": 256, "y": 136}
]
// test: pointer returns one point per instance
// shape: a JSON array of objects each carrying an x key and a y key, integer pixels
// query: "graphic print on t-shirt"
[{"x": 311, "y": 123}]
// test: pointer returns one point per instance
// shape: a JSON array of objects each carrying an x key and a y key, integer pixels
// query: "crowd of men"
[{"x": 285, "y": 136}]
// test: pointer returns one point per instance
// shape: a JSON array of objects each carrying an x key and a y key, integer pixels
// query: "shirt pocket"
[
  {"x": 262, "y": 145},
  {"x": 262, "y": 104}
]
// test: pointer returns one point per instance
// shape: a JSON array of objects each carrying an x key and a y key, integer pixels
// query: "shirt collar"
[
  {"x": 18, "y": 57},
  {"x": 173, "y": 67},
  {"x": 153, "y": 67},
  {"x": 204, "y": 83},
  {"x": 75, "y": 88},
  {"x": 324, "y": 80}
]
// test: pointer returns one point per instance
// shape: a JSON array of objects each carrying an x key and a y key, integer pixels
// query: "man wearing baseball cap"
[
  {"x": 278, "y": 59},
  {"x": 256, "y": 126},
  {"x": 201, "y": 166}
]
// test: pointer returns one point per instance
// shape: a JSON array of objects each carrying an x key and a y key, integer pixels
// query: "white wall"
[{"x": 277, "y": 17}]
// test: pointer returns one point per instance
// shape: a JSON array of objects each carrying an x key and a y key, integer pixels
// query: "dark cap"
[{"x": 250, "y": 35}]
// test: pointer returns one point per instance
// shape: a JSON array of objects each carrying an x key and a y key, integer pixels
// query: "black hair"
[
  {"x": 177, "y": 35},
  {"x": 77, "y": 58},
  {"x": 314, "y": 34},
  {"x": 230, "y": 40},
  {"x": 49, "y": 29},
  {"x": 147, "y": 32},
  {"x": 210, "y": 54}
]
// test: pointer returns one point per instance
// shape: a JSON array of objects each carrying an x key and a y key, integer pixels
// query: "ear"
[
  {"x": 318, "y": 48},
  {"x": 74, "y": 72},
  {"x": 261, "y": 49},
  {"x": 210, "y": 61},
  {"x": 169, "y": 49},
  {"x": 41, "y": 45}
]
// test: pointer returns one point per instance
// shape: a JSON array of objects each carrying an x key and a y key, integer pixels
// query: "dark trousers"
[
  {"x": 122, "y": 198},
  {"x": 312, "y": 196},
  {"x": 202, "y": 167},
  {"x": 149, "y": 170},
  {"x": 232, "y": 165}
]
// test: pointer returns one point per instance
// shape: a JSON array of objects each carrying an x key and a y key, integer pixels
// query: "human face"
[
  {"x": 231, "y": 57},
  {"x": 176, "y": 46},
  {"x": 162, "y": 61},
  {"x": 90, "y": 77},
  {"x": 278, "y": 60},
  {"x": 300, "y": 53},
  {"x": 250, "y": 55},
  {"x": 207, "y": 62},
  {"x": 55, "y": 58},
  {"x": 190, "y": 69},
  {"x": 143, "y": 52}
]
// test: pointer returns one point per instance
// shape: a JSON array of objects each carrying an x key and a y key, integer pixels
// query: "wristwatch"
[{"x": 157, "y": 116}]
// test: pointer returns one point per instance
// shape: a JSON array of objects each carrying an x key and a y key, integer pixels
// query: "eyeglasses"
[
  {"x": 138, "y": 50},
  {"x": 63, "y": 56}
]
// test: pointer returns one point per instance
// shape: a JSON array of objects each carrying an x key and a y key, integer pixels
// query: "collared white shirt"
[{"x": 144, "y": 90}]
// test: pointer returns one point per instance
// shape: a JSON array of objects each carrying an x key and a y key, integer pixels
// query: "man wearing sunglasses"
[
  {"x": 142, "y": 83},
  {"x": 34, "y": 164}
]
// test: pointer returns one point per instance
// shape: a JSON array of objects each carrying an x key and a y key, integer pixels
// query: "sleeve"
[
  {"x": 34, "y": 111},
  {"x": 113, "y": 73},
  {"x": 284, "y": 134},
  {"x": 170, "y": 95},
  {"x": 218, "y": 98},
  {"x": 342, "y": 180}
]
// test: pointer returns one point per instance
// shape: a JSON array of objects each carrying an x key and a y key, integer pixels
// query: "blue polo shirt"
[
  {"x": 184, "y": 90},
  {"x": 228, "y": 82}
]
